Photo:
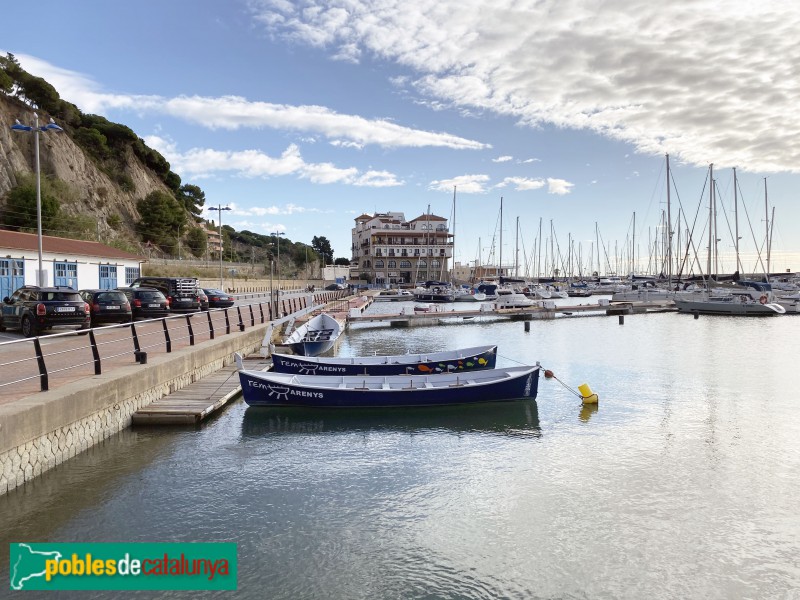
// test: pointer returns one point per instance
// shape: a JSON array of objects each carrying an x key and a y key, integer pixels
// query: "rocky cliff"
[{"x": 93, "y": 192}]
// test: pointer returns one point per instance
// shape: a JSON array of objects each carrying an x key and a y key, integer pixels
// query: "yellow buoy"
[{"x": 587, "y": 395}]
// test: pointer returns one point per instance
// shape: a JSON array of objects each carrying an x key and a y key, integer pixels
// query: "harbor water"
[{"x": 682, "y": 482}]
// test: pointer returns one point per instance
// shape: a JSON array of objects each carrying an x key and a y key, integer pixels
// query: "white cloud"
[
  {"x": 530, "y": 160},
  {"x": 199, "y": 163},
  {"x": 558, "y": 186},
  {"x": 465, "y": 184},
  {"x": 705, "y": 80},
  {"x": 501, "y": 159},
  {"x": 235, "y": 112},
  {"x": 522, "y": 184}
]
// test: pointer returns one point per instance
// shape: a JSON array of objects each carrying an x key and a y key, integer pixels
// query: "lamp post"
[
  {"x": 277, "y": 235},
  {"x": 51, "y": 126},
  {"x": 219, "y": 208}
]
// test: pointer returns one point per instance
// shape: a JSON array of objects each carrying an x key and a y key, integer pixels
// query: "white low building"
[{"x": 75, "y": 263}]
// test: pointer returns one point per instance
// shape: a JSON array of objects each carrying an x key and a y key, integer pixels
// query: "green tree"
[
  {"x": 20, "y": 211},
  {"x": 162, "y": 215},
  {"x": 322, "y": 246},
  {"x": 197, "y": 240},
  {"x": 193, "y": 198},
  {"x": 342, "y": 261}
]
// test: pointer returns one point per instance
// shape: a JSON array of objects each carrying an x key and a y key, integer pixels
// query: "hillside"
[
  {"x": 100, "y": 181},
  {"x": 91, "y": 191}
]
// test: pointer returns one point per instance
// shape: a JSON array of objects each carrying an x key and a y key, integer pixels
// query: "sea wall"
[{"x": 41, "y": 431}]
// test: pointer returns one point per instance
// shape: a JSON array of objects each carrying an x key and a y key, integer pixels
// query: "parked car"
[
  {"x": 335, "y": 286},
  {"x": 181, "y": 292},
  {"x": 32, "y": 309},
  {"x": 147, "y": 303},
  {"x": 218, "y": 298},
  {"x": 107, "y": 306}
]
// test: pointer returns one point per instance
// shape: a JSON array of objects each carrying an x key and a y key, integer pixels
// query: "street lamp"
[
  {"x": 277, "y": 234},
  {"x": 219, "y": 208},
  {"x": 51, "y": 126}
]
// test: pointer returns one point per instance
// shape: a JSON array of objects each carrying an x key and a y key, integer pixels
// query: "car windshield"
[
  {"x": 214, "y": 292},
  {"x": 61, "y": 296},
  {"x": 151, "y": 295},
  {"x": 111, "y": 297}
]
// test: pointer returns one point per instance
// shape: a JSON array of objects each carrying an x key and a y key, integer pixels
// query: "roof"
[
  {"x": 428, "y": 217},
  {"x": 15, "y": 240},
  {"x": 364, "y": 217}
]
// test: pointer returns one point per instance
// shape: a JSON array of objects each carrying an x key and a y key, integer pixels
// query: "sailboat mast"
[
  {"x": 766, "y": 212},
  {"x": 710, "y": 216},
  {"x": 516, "y": 251},
  {"x": 736, "y": 218},
  {"x": 669, "y": 231},
  {"x": 633, "y": 247},
  {"x": 539, "y": 253},
  {"x": 597, "y": 237},
  {"x": 452, "y": 270},
  {"x": 501, "y": 237}
]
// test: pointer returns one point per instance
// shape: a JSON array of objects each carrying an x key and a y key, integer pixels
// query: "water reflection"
[
  {"x": 507, "y": 418},
  {"x": 587, "y": 410}
]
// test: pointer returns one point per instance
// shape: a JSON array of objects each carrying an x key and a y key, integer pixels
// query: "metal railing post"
[
  {"x": 191, "y": 331},
  {"x": 95, "y": 353},
  {"x": 136, "y": 347},
  {"x": 261, "y": 310},
  {"x": 227, "y": 323},
  {"x": 241, "y": 322},
  {"x": 210, "y": 325},
  {"x": 166, "y": 335},
  {"x": 44, "y": 382},
  {"x": 252, "y": 316}
]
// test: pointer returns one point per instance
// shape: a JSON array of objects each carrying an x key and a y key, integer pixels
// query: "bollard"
[
  {"x": 696, "y": 315},
  {"x": 527, "y": 325},
  {"x": 622, "y": 319}
]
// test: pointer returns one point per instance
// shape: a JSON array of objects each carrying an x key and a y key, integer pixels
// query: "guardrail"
[{"x": 107, "y": 346}]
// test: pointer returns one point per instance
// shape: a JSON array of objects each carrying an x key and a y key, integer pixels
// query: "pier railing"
[{"x": 30, "y": 365}]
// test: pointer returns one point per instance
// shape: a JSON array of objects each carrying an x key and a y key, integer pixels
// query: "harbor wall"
[{"x": 41, "y": 431}]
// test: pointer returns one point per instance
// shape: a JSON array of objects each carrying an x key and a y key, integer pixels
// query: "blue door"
[
  {"x": 12, "y": 276},
  {"x": 66, "y": 274},
  {"x": 108, "y": 277}
]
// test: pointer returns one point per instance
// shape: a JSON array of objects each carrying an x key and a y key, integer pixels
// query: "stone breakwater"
[{"x": 41, "y": 431}]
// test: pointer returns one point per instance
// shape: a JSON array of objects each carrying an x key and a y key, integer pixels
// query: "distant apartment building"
[
  {"x": 387, "y": 249},
  {"x": 214, "y": 242},
  {"x": 473, "y": 273}
]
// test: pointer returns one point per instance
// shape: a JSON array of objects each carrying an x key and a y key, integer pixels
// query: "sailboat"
[{"x": 742, "y": 299}]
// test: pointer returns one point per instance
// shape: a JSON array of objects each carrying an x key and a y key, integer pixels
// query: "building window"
[
  {"x": 131, "y": 273},
  {"x": 435, "y": 264},
  {"x": 422, "y": 263},
  {"x": 405, "y": 264},
  {"x": 392, "y": 264},
  {"x": 378, "y": 264}
]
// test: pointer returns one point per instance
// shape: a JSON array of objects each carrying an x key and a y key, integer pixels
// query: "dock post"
[
  {"x": 622, "y": 319},
  {"x": 527, "y": 325},
  {"x": 696, "y": 315}
]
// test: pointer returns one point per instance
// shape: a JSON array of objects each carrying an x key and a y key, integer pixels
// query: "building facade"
[
  {"x": 74, "y": 263},
  {"x": 389, "y": 250}
]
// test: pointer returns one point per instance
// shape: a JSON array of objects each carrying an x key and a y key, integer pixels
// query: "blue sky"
[{"x": 303, "y": 115}]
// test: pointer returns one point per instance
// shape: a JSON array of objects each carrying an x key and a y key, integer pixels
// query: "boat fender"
[
  {"x": 587, "y": 395},
  {"x": 763, "y": 299},
  {"x": 548, "y": 374}
]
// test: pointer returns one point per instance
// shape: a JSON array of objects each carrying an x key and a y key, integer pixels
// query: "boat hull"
[
  {"x": 472, "y": 359},
  {"x": 279, "y": 389},
  {"x": 736, "y": 309},
  {"x": 315, "y": 337}
]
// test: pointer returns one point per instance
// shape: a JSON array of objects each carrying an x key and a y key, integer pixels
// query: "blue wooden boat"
[
  {"x": 315, "y": 337},
  {"x": 266, "y": 388},
  {"x": 465, "y": 359}
]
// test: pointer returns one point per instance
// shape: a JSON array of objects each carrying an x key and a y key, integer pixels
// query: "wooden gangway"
[{"x": 199, "y": 400}]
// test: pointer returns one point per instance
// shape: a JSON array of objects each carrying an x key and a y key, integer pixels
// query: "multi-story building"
[
  {"x": 387, "y": 249},
  {"x": 214, "y": 243}
]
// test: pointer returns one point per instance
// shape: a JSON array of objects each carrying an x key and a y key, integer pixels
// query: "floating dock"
[{"x": 199, "y": 400}]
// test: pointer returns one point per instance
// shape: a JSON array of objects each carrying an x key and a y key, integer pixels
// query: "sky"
[{"x": 302, "y": 115}]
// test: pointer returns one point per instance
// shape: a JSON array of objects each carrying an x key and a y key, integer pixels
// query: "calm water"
[{"x": 682, "y": 484}]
